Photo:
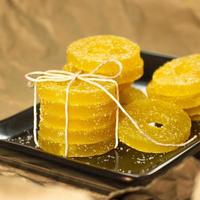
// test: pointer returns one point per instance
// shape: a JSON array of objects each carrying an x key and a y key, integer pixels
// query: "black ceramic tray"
[{"x": 117, "y": 169}]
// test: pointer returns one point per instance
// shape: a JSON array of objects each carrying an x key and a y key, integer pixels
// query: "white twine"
[{"x": 91, "y": 78}]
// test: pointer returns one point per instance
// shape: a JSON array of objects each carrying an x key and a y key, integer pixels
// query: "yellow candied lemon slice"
[
  {"x": 162, "y": 121},
  {"x": 87, "y": 53},
  {"x": 179, "y": 77},
  {"x": 84, "y": 150},
  {"x": 184, "y": 102},
  {"x": 130, "y": 94},
  {"x": 196, "y": 118},
  {"x": 193, "y": 111},
  {"x": 54, "y": 120},
  {"x": 77, "y": 112},
  {"x": 81, "y": 93},
  {"x": 84, "y": 136}
]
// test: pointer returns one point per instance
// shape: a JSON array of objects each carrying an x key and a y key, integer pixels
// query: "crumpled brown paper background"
[
  {"x": 34, "y": 34},
  {"x": 177, "y": 184}
]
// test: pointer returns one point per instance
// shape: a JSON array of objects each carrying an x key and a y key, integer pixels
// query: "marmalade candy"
[
  {"x": 84, "y": 150},
  {"x": 184, "y": 102},
  {"x": 91, "y": 118},
  {"x": 130, "y": 94},
  {"x": 179, "y": 77},
  {"x": 196, "y": 118},
  {"x": 81, "y": 93},
  {"x": 87, "y": 53},
  {"x": 77, "y": 111},
  {"x": 78, "y": 135},
  {"x": 162, "y": 121}
]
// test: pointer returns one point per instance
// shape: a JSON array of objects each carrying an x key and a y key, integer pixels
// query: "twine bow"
[{"x": 93, "y": 79}]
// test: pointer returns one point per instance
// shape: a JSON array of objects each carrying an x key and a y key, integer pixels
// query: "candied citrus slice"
[
  {"x": 179, "y": 77},
  {"x": 127, "y": 77},
  {"x": 77, "y": 112},
  {"x": 130, "y": 94},
  {"x": 184, "y": 102},
  {"x": 83, "y": 150},
  {"x": 87, "y": 53},
  {"x": 77, "y": 136},
  {"x": 193, "y": 111},
  {"x": 162, "y": 121},
  {"x": 81, "y": 93},
  {"x": 55, "y": 120}
]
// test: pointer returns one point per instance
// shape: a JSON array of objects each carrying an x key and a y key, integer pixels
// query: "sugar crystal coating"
[
  {"x": 91, "y": 118},
  {"x": 163, "y": 121},
  {"x": 87, "y": 53},
  {"x": 185, "y": 102},
  {"x": 179, "y": 77}
]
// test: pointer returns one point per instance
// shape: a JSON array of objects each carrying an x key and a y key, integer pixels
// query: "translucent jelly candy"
[
  {"x": 83, "y": 150},
  {"x": 58, "y": 121},
  {"x": 91, "y": 118},
  {"x": 184, "y": 102},
  {"x": 130, "y": 94},
  {"x": 81, "y": 93},
  {"x": 76, "y": 111},
  {"x": 164, "y": 122},
  {"x": 87, "y": 53},
  {"x": 179, "y": 77},
  {"x": 193, "y": 111},
  {"x": 77, "y": 136}
]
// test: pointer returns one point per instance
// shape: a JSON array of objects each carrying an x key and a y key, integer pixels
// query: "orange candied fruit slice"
[
  {"x": 130, "y": 94},
  {"x": 184, "y": 102},
  {"x": 179, "y": 77},
  {"x": 162, "y": 121},
  {"x": 87, "y": 53}
]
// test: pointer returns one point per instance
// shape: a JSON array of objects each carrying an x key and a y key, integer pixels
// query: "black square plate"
[{"x": 117, "y": 169}]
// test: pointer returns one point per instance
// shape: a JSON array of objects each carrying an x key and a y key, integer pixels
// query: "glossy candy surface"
[
  {"x": 164, "y": 122},
  {"x": 83, "y": 150}
]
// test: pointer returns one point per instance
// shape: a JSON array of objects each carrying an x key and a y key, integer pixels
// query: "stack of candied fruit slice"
[
  {"x": 91, "y": 118},
  {"x": 178, "y": 81},
  {"x": 87, "y": 53},
  {"x": 91, "y": 113}
]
